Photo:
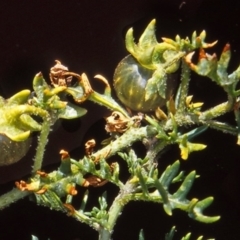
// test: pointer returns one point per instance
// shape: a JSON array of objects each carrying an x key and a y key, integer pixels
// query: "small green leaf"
[
  {"x": 199, "y": 207},
  {"x": 84, "y": 201},
  {"x": 170, "y": 235},
  {"x": 163, "y": 193},
  {"x": 72, "y": 111},
  {"x": 20, "y": 97},
  {"x": 27, "y": 122},
  {"x": 77, "y": 92},
  {"x": 187, "y": 237},
  {"x": 19, "y": 137},
  {"x": 196, "y": 131},
  {"x": 224, "y": 61},
  {"x": 169, "y": 174},
  {"x": 39, "y": 83},
  {"x": 141, "y": 235},
  {"x": 105, "y": 170},
  {"x": 115, "y": 174},
  {"x": 142, "y": 180},
  {"x": 196, "y": 147},
  {"x": 179, "y": 177},
  {"x": 34, "y": 237},
  {"x": 185, "y": 186},
  {"x": 103, "y": 201},
  {"x": 186, "y": 147}
]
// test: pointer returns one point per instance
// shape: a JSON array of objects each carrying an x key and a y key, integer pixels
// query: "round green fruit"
[
  {"x": 130, "y": 80},
  {"x": 11, "y": 151}
]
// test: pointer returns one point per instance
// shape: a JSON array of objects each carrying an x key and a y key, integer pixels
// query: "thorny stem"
[
  {"x": 153, "y": 152},
  {"x": 216, "y": 111},
  {"x": 224, "y": 127},
  {"x": 183, "y": 88},
  {"x": 11, "y": 197},
  {"x": 42, "y": 142},
  {"x": 205, "y": 118},
  {"x": 115, "y": 210},
  {"x": 127, "y": 139}
]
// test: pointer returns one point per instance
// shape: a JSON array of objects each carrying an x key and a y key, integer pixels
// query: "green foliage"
[
  {"x": 16, "y": 121},
  {"x": 150, "y": 187},
  {"x": 178, "y": 124},
  {"x": 170, "y": 235}
]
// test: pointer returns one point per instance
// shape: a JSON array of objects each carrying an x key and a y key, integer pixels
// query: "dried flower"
[
  {"x": 23, "y": 186},
  {"x": 94, "y": 181},
  {"x": 57, "y": 76},
  {"x": 89, "y": 145},
  {"x": 117, "y": 122}
]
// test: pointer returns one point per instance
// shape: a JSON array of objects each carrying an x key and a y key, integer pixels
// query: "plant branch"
[
  {"x": 183, "y": 88},
  {"x": 42, "y": 142},
  {"x": 11, "y": 197}
]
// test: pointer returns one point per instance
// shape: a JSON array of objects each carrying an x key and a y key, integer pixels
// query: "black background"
[{"x": 88, "y": 36}]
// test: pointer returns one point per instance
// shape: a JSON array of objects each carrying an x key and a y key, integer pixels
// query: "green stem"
[
  {"x": 237, "y": 117},
  {"x": 216, "y": 111},
  {"x": 104, "y": 234},
  {"x": 224, "y": 127},
  {"x": 115, "y": 210},
  {"x": 154, "y": 151},
  {"x": 42, "y": 142},
  {"x": 183, "y": 88},
  {"x": 127, "y": 139},
  {"x": 107, "y": 101},
  {"x": 11, "y": 197}
]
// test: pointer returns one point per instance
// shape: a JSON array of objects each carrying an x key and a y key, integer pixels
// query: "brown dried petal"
[
  {"x": 117, "y": 122},
  {"x": 96, "y": 181},
  {"x": 57, "y": 76},
  {"x": 72, "y": 191},
  {"x": 23, "y": 186},
  {"x": 64, "y": 154},
  {"x": 89, "y": 145},
  {"x": 70, "y": 208}
]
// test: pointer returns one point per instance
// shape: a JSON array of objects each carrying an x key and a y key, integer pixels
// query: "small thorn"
[{"x": 64, "y": 154}]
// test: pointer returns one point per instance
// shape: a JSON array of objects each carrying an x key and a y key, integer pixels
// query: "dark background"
[{"x": 88, "y": 36}]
